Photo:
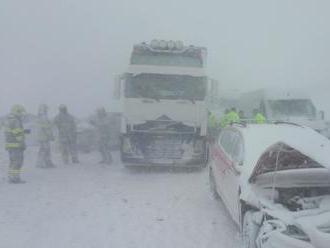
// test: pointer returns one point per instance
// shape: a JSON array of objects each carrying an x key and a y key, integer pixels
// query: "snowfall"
[{"x": 90, "y": 205}]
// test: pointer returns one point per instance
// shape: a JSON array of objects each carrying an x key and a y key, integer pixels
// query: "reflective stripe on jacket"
[{"x": 14, "y": 133}]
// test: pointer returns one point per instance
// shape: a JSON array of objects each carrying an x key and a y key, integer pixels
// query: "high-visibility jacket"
[
  {"x": 229, "y": 118},
  {"x": 259, "y": 118},
  {"x": 14, "y": 133},
  {"x": 232, "y": 117}
]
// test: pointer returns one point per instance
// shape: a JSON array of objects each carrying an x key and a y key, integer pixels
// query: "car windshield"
[
  {"x": 296, "y": 108},
  {"x": 166, "y": 87}
]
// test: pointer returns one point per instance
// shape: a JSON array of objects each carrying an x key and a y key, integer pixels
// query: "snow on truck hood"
[
  {"x": 259, "y": 138},
  {"x": 169, "y": 70}
]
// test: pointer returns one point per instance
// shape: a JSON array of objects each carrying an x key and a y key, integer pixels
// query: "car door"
[
  {"x": 231, "y": 175},
  {"x": 222, "y": 161}
]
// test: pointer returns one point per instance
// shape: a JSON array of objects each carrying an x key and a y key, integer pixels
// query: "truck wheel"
[
  {"x": 250, "y": 230},
  {"x": 213, "y": 186}
]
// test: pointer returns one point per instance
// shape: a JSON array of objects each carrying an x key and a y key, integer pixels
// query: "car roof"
[{"x": 259, "y": 137}]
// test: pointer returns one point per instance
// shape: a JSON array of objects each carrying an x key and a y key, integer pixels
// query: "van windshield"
[{"x": 292, "y": 107}]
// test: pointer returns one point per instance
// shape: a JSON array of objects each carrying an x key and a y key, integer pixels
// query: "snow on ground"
[{"x": 94, "y": 206}]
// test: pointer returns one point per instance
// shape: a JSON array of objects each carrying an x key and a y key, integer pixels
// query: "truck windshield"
[
  {"x": 149, "y": 58},
  {"x": 292, "y": 107},
  {"x": 159, "y": 86}
]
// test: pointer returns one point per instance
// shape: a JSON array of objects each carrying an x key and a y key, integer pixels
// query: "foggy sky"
[{"x": 68, "y": 51}]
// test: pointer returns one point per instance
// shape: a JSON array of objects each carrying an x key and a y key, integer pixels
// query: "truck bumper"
[{"x": 155, "y": 150}]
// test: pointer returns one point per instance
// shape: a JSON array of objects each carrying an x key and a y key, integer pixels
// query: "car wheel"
[
  {"x": 213, "y": 186},
  {"x": 249, "y": 231}
]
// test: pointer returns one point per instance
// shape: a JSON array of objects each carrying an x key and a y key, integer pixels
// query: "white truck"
[
  {"x": 284, "y": 105},
  {"x": 164, "y": 114}
]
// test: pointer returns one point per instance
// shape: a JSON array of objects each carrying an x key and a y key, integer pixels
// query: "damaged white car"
[{"x": 275, "y": 182}]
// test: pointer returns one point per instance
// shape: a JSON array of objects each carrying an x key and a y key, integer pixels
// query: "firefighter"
[
  {"x": 45, "y": 136},
  {"x": 15, "y": 142},
  {"x": 103, "y": 127},
  {"x": 67, "y": 135},
  {"x": 259, "y": 118},
  {"x": 232, "y": 116}
]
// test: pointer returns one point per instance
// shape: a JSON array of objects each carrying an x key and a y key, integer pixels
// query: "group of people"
[
  {"x": 232, "y": 116},
  {"x": 66, "y": 127}
]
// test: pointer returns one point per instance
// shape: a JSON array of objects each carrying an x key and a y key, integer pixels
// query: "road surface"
[{"x": 94, "y": 206}]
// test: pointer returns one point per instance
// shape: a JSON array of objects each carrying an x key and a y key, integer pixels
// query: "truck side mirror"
[
  {"x": 321, "y": 115},
  {"x": 117, "y": 87}
]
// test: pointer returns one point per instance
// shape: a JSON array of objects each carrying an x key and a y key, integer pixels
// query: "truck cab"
[{"x": 164, "y": 119}]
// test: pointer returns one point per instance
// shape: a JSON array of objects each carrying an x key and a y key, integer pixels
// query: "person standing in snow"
[
  {"x": 45, "y": 136},
  {"x": 15, "y": 142},
  {"x": 102, "y": 125},
  {"x": 259, "y": 118},
  {"x": 67, "y": 135}
]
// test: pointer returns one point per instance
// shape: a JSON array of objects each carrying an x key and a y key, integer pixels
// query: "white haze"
[{"x": 68, "y": 51}]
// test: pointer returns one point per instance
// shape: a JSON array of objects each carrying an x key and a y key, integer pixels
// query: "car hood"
[
  {"x": 317, "y": 228},
  {"x": 293, "y": 165}
]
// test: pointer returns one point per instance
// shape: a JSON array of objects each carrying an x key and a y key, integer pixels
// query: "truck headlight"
[{"x": 295, "y": 232}]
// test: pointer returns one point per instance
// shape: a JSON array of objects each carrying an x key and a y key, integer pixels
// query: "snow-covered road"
[{"x": 92, "y": 206}]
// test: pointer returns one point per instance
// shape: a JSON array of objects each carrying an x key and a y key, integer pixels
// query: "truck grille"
[{"x": 164, "y": 148}]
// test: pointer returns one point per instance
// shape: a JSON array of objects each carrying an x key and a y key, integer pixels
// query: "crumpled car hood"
[{"x": 311, "y": 226}]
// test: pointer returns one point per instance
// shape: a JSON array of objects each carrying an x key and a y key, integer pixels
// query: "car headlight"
[{"x": 295, "y": 232}]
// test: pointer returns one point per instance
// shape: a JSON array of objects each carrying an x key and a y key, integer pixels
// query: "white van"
[{"x": 280, "y": 105}]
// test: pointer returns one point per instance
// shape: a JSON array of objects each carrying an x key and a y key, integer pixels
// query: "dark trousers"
[
  {"x": 44, "y": 155},
  {"x": 16, "y": 159},
  {"x": 69, "y": 149}
]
